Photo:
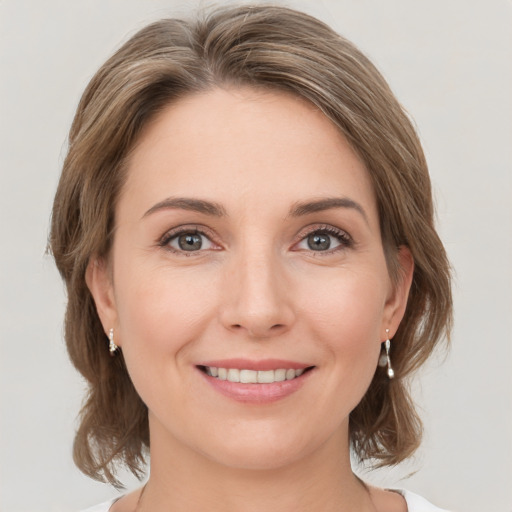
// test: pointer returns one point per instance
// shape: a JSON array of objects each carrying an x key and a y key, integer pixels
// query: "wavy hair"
[{"x": 267, "y": 47}]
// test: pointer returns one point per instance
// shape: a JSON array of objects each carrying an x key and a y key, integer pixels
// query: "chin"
[
  {"x": 256, "y": 458},
  {"x": 259, "y": 451}
]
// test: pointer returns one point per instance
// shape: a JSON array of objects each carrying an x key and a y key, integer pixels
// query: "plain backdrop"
[{"x": 450, "y": 64}]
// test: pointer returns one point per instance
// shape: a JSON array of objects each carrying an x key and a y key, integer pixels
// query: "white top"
[{"x": 414, "y": 502}]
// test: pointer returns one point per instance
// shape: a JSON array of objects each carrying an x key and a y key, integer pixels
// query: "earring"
[
  {"x": 112, "y": 347},
  {"x": 385, "y": 359}
]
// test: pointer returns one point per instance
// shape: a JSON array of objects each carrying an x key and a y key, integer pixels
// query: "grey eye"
[
  {"x": 190, "y": 242},
  {"x": 324, "y": 240},
  {"x": 319, "y": 241}
]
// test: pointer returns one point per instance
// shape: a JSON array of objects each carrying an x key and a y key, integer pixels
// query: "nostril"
[{"x": 259, "y": 328}]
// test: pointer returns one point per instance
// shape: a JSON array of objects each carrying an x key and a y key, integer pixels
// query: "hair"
[{"x": 266, "y": 47}]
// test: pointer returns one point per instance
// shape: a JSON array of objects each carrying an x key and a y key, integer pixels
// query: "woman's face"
[{"x": 247, "y": 246}]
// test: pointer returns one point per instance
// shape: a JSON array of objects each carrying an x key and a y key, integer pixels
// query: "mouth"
[
  {"x": 248, "y": 376},
  {"x": 255, "y": 382}
]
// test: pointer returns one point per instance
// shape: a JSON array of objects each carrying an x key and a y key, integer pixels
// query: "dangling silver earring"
[
  {"x": 385, "y": 359},
  {"x": 112, "y": 347}
]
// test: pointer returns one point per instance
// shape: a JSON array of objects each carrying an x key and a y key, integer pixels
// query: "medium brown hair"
[{"x": 265, "y": 47}]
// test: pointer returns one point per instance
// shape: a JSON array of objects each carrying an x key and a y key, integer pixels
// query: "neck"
[{"x": 182, "y": 479}]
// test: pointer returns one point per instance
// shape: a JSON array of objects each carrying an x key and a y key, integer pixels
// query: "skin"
[{"x": 256, "y": 290}]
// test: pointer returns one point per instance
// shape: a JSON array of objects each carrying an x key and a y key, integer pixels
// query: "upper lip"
[{"x": 252, "y": 364}]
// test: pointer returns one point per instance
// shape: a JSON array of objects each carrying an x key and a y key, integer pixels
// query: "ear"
[
  {"x": 397, "y": 301},
  {"x": 99, "y": 281}
]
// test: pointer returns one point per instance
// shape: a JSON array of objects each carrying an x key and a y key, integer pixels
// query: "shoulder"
[
  {"x": 102, "y": 507},
  {"x": 416, "y": 503}
]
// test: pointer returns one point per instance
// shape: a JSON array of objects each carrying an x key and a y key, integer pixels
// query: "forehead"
[{"x": 231, "y": 143}]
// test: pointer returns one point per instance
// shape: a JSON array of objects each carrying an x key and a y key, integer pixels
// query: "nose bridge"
[{"x": 257, "y": 301}]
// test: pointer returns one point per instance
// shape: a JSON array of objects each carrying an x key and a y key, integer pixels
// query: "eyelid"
[
  {"x": 345, "y": 239},
  {"x": 188, "y": 228},
  {"x": 342, "y": 235}
]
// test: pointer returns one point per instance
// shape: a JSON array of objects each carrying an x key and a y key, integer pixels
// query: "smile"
[
  {"x": 256, "y": 382},
  {"x": 245, "y": 376}
]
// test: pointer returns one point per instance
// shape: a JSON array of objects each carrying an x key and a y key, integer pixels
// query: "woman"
[{"x": 244, "y": 224}]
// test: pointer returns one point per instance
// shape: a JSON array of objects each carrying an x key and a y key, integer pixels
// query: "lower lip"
[{"x": 257, "y": 393}]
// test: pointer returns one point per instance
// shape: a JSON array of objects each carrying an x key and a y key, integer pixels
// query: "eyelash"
[
  {"x": 165, "y": 241},
  {"x": 344, "y": 239}
]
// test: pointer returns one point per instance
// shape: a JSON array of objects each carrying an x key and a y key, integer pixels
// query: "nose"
[{"x": 257, "y": 297}]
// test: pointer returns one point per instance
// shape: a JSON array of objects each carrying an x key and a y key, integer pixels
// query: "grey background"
[{"x": 449, "y": 62}]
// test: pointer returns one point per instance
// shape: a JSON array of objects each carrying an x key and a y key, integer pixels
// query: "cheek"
[
  {"x": 345, "y": 316},
  {"x": 161, "y": 316},
  {"x": 350, "y": 306}
]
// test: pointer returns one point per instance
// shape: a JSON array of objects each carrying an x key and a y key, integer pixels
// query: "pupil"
[
  {"x": 190, "y": 242},
  {"x": 318, "y": 242}
]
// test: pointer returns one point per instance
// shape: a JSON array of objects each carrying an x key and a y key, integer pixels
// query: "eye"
[
  {"x": 190, "y": 240},
  {"x": 325, "y": 239}
]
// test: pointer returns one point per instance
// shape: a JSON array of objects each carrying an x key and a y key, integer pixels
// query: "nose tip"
[{"x": 258, "y": 302}]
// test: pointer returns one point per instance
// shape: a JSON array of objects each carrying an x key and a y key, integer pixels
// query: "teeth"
[
  {"x": 253, "y": 376},
  {"x": 233, "y": 375},
  {"x": 248, "y": 376},
  {"x": 266, "y": 377},
  {"x": 280, "y": 375}
]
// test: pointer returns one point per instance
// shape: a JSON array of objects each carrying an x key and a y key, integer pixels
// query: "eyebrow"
[
  {"x": 217, "y": 210},
  {"x": 185, "y": 203},
  {"x": 328, "y": 203}
]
